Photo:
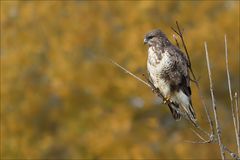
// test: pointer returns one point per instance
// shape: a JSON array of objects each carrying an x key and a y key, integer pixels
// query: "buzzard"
[{"x": 168, "y": 71}]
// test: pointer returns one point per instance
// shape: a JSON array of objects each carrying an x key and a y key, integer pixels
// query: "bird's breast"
[
  {"x": 159, "y": 64},
  {"x": 153, "y": 59},
  {"x": 157, "y": 68}
]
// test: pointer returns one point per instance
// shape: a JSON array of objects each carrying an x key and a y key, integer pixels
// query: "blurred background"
[{"x": 61, "y": 99}]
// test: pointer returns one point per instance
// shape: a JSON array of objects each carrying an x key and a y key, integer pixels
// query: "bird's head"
[{"x": 155, "y": 37}]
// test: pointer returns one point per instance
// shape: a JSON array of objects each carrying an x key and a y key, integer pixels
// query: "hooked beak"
[{"x": 145, "y": 41}]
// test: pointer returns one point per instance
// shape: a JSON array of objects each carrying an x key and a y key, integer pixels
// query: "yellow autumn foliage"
[{"x": 61, "y": 98}]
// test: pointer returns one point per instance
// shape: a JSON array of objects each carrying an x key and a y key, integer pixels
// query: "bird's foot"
[
  {"x": 166, "y": 100},
  {"x": 155, "y": 90}
]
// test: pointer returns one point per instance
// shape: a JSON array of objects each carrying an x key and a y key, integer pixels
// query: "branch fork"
[{"x": 212, "y": 137}]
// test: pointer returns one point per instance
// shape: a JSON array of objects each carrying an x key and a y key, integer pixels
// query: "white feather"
[
  {"x": 182, "y": 99},
  {"x": 154, "y": 70}
]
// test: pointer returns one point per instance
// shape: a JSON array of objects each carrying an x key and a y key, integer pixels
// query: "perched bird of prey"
[{"x": 168, "y": 72}]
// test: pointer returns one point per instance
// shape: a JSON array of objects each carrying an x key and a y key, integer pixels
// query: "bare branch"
[
  {"x": 232, "y": 154},
  {"x": 203, "y": 141},
  {"x": 128, "y": 72},
  {"x": 238, "y": 123},
  {"x": 198, "y": 142},
  {"x": 214, "y": 105},
  {"x": 237, "y": 110},
  {"x": 211, "y": 137},
  {"x": 180, "y": 34},
  {"x": 198, "y": 135},
  {"x": 175, "y": 31},
  {"x": 230, "y": 95},
  {"x": 184, "y": 45},
  {"x": 195, "y": 80},
  {"x": 175, "y": 38},
  {"x": 228, "y": 75}
]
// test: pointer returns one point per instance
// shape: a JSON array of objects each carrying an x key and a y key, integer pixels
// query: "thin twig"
[
  {"x": 203, "y": 141},
  {"x": 228, "y": 75},
  {"x": 128, "y": 72},
  {"x": 211, "y": 136},
  {"x": 175, "y": 38},
  {"x": 214, "y": 105},
  {"x": 210, "y": 121},
  {"x": 230, "y": 95},
  {"x": 198, "y": 142},
  {"x": 238, "y": 123},
  {"x": 198, "y": 135},
  {"x": 232, "y": 154},
  {"x": 180, "y": 34}
]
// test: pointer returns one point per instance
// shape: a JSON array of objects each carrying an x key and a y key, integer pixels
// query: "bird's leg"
[
  {"x": 150, "y": 82},
  {"x": 156, "y": 90}
]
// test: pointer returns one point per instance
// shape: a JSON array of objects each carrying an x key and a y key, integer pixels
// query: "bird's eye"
[{"x": 150, "y": 37}]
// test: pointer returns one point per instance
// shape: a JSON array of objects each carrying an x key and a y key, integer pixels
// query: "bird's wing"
[
  {"x": 185, "y": 82},
  {"x": 181, "y": 80},
  {"x": 185, "y": 85},
  {"x": 180, "y": 75}
]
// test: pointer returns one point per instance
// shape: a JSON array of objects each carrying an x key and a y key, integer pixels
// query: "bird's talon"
[
  {"x": 167, "y": 100},
  {"x": 155, "y": 90}
]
